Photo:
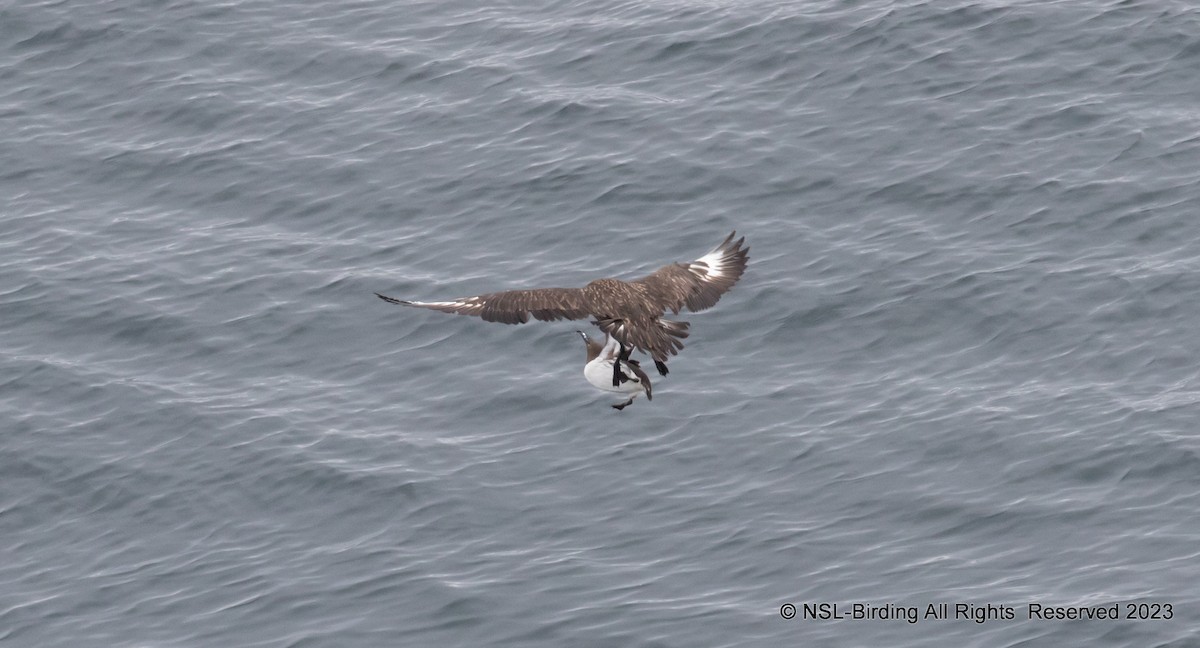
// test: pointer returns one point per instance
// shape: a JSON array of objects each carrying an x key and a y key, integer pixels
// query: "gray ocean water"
[{"x": 962, "y": 366}]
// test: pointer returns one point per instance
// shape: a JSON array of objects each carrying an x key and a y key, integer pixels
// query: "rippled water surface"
[{"x": 961, "y": 368}]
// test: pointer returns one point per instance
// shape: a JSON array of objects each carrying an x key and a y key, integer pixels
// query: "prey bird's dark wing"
[
  {"x": 698, "y": 284},
  {"x": 642, "y": 378},
  {"x": 512, "y": 306}
]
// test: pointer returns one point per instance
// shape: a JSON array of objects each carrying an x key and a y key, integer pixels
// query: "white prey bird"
[{"x": 603, "y": 363}]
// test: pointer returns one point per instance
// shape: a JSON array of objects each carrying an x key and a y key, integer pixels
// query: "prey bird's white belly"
[{"x": 599, "y": 373}]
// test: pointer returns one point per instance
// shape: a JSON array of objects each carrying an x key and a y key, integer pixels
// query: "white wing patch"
[
  {"x": 462, "y": 306},
  {"x": 458, "y": 303},
  {"x": 713, "y": 268}
]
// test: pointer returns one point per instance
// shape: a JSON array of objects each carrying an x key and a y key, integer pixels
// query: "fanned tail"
[{"x": 659, "y": 338}]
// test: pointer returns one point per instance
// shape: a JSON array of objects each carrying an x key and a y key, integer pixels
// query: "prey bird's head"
[{"x": 593, "y": 347}]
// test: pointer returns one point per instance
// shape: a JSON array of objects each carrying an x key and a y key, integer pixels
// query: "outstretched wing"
[
  {"x": 699, "y": 284},
  {"x": 512, "y": 306}
]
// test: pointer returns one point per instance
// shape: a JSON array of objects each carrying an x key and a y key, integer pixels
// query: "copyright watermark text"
[{"x": 975, "y": 612}]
